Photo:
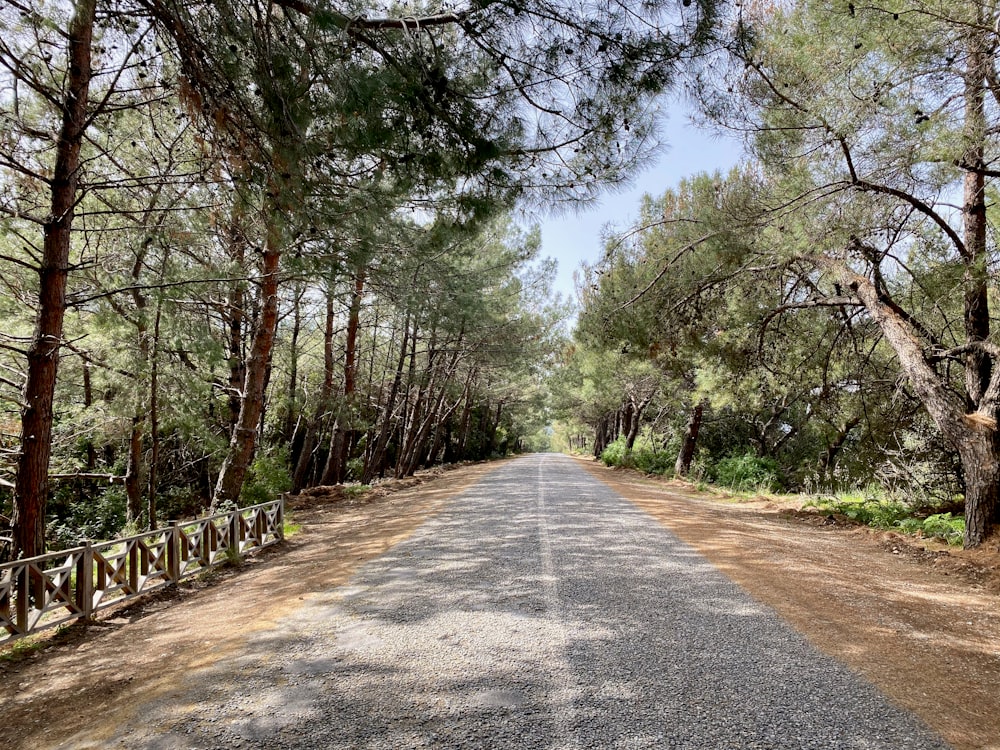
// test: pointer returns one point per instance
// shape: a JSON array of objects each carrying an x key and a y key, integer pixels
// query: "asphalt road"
[{"x": 538, "y": 610}]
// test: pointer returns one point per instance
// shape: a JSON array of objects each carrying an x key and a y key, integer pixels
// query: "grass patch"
[
  {"x": 21, "y": 649},
  {"x": 889, "y": 514}
]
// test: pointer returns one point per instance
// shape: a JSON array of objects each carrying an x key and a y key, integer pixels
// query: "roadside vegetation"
[
  {"x": 818, "y": 320},
  {"x": 750, "y": 476}
]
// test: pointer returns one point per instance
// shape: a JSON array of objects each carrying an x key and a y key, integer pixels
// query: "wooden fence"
[{"x": 48, "y": 590}]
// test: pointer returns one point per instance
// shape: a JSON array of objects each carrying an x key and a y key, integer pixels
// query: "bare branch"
[{"x": 110, "y": 478}]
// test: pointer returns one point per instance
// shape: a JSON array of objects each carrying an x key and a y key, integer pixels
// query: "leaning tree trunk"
[
  {"x": 32, "y": 482},
  {"x": 310, "y": 443},
  {"x": 375, "y": 459},
  {"x": 972, "y": 434}
]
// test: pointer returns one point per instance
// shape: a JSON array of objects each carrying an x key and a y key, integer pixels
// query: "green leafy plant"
[
  {"x": 614, "y": 454},
  {"x": 944, "y": 526},
  {"x": 644, "y": 457},
  {"x": 868, "y": 511},
  {"x": 268, "y": 477},
  {"x": 748, "y": 472},
  {"x": 881, "y": 513}
]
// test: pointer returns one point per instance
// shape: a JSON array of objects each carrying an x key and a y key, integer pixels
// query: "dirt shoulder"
[
  {"x": 918, "y": 621},
  {"x": 87, "y": 681}
]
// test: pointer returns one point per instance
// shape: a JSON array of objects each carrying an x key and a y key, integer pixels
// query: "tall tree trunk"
[
  {"x": 88, "y": 401},
  {"x": 154, "y": 421},
  {"x": 633, "y": 419},
  {"x": 682, "y": 467},
  {"x": 975, "y": 282},
  {"x": 413, "y": 415},
  {"x": 244, "y": 438},
  {"x": 306, "y": 454},
  {"x": 336, "y": 460},
  {"x": 602, "y": 434},
  {"x": 375, "y": 458},
  {"x": 234, "y": 318},
  {"x": 291, "y": 408},
  {"x": 494, "y": 426},
  {"x": 133, "y": 469},
  {"x": 32, "y": 481},
  {"x": 465, "y": 423}
]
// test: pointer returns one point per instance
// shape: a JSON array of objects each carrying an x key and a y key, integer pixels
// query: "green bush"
[
  {"x": 748, "y": 472},
  {"x": 644, "y": 457},
  {"x": 869, "y": 511},
  {"x": 614, "y": 454},
  {"x": 888, "y": 514},
  {"x": 944, "y": 526},
  {"x": 98, "y": 518},
  {"x": 653, "y": 462},
  {"x": 267, "y": 478}
]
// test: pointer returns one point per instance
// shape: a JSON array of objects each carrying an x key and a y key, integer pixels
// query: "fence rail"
[{"x": 45, "y": 591}]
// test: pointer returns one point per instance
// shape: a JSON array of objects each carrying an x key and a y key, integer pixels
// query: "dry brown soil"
[{"x": 919, "y": 623}]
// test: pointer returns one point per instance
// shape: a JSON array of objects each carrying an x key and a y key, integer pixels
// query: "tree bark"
[
  {"x": 154, "y": 421},
  {"x": 336, "y": 461},
  {"x": 133, "y": 487},
  {"x": 973, "y": 435},
  {"x": 234, "y": 318},
  {"x": 244, "y": 438},
  {"x": 828, "y": 459},
  {"x": 291, "y": 407},
  {"x": 682, "y": 467},
  {"x": 978, "y": 365},
  {"x": 310, "y": 442},
  {"x": 375, "y": 458},
  {"x": 31, "y": 483}
]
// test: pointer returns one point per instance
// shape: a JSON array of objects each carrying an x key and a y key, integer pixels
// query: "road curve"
[{"x": 538, "y": 610}]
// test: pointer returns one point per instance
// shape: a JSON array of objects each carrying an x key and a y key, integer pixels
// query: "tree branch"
[
  {"x": 361, "y": 22},
  {"x": 663, "y": 271}
]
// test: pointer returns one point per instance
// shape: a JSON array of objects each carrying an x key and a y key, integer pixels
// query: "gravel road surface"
[{"x": 538, "y": 610}]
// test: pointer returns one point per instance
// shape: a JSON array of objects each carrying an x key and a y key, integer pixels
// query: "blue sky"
[{"x": 572, "y": 238}]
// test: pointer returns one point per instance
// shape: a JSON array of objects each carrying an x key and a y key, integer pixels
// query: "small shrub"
[
  {"x": 644, "y": 457},
  {"x": 868, "y": 511},
  {"x": 888, "y": 514},
  {"x": 748, "y": 472},
  {"x": 267, "y": 478},
  {"x": 614, "y": 454},
  {"x": 653, "y": 462},
  {"x": 355, "y": 468},
  {"x": 944, "y": 526},
  {"x": 100, "y": 517}
]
